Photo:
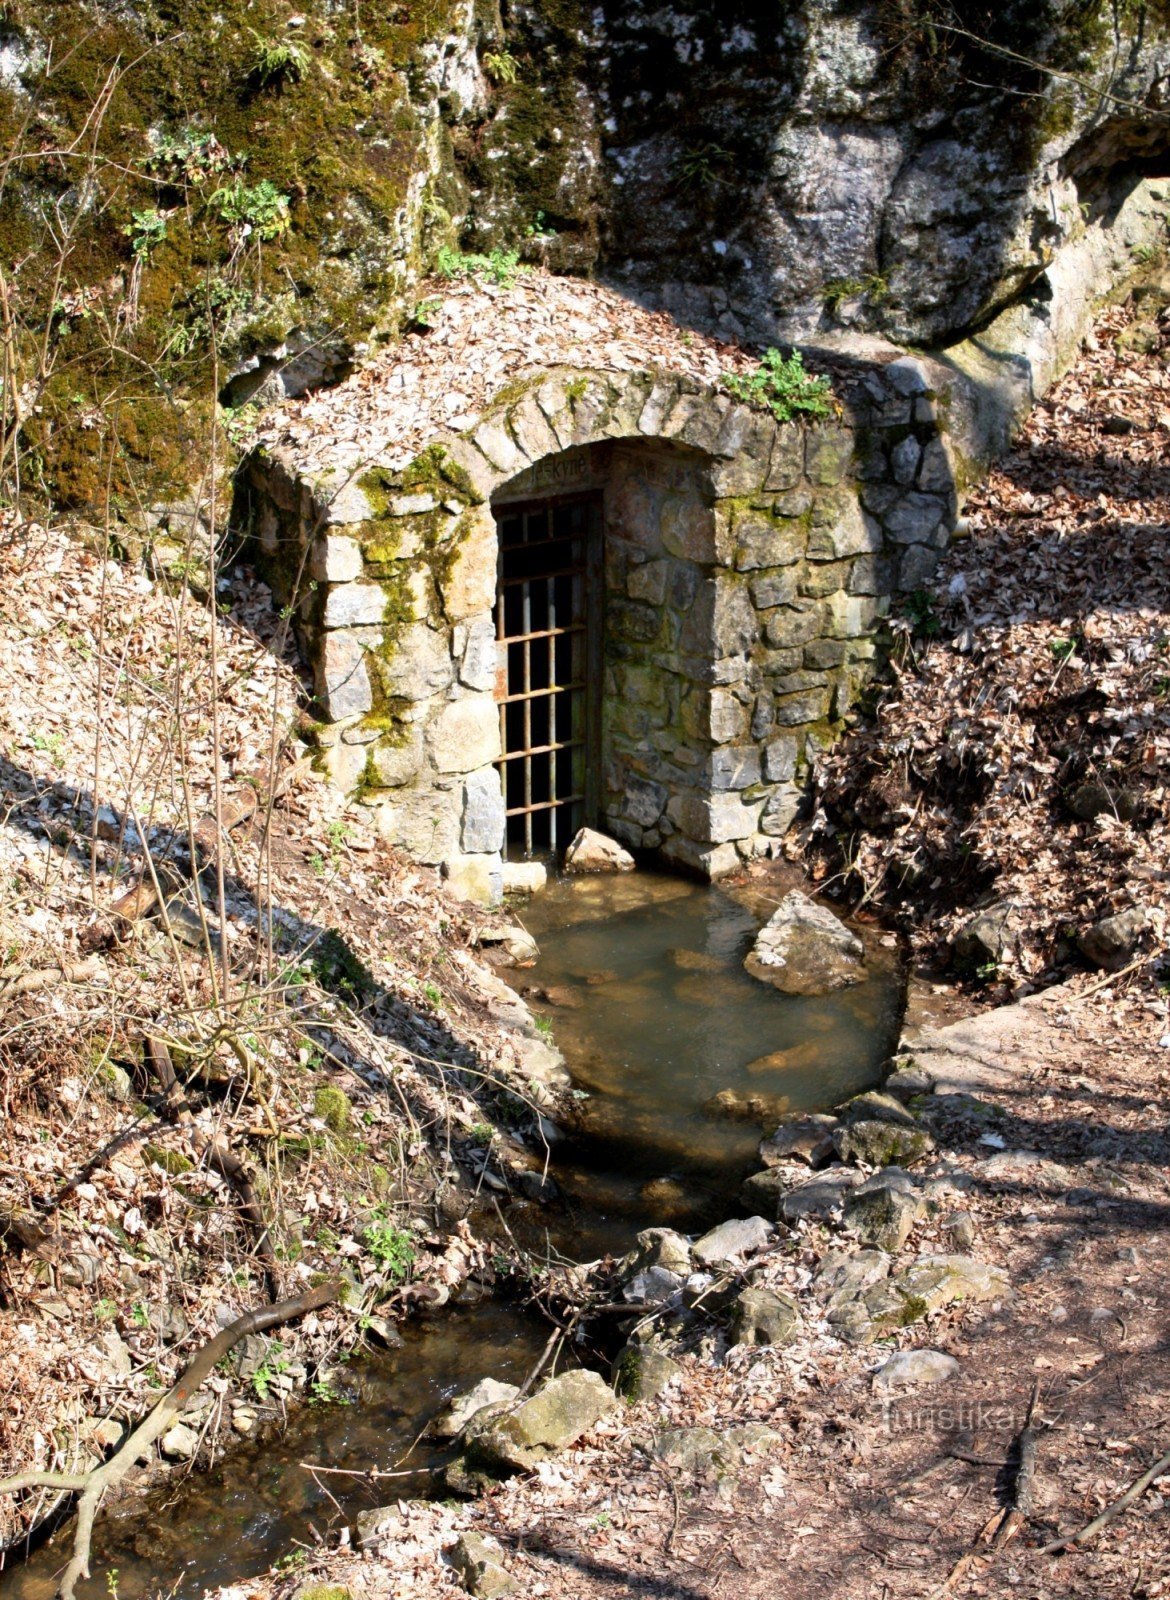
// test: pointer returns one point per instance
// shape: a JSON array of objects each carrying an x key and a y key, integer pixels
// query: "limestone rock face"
[{"x": 805, "y": 949}]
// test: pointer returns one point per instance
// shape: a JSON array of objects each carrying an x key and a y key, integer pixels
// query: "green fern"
[{"x": 781, "y": 385}]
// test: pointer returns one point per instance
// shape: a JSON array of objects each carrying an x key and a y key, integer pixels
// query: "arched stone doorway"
[{"x": 739, "y": 566}]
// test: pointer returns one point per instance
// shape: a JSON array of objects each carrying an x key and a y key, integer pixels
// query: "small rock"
[
  {"x": 804, "y": 949},
  {"x": 987, "y": 937},
  {"x": 524, "y": 877},
  {"x": 244, "y": 1420},
  {"x": 705, "y": 1292},
  {"x": 845, "y": 1277},
  {"x": 882, "y": 1217},
  {"x": 763, "y": 1192},
  {"x": 476, "y": 1561},
  {"x": 652, "y": 1287},
  {"x": 881, "y": 1144},
  {"x": 737, "y": 1105},
  {"x": 551, "y": 1420},
  {"x": 591, "y": 851},
  {"x": 731, "y": 1241},
  {"x": 642, "y": 1372},
  {"x": 179, "y": 1443},
  {"x": 1112, "y": 942},
  {"x": 699, "y": 1452},
  {"x": 1097, "y": 799},
  {"x": 932, "y": 1282},
  {"x": 377, "y": 1526},
  {"x": 487, "y": 1392},
  {"x": 908, "y": 1081},
  {"x": 660, "y": 1247},
  {"x": 809, "y": 1139},
  {"x": 764, "y": 1316},
  {"x": 909, "y": 1368},
  {"x": 960, "y": 1225},
  {"x": 819, "y": 1196}
]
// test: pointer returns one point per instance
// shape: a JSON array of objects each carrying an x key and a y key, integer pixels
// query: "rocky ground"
[{"x": 338, "y": 1044}]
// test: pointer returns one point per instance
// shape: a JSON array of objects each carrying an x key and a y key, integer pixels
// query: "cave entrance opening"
[{"x": 548, "y": 631}]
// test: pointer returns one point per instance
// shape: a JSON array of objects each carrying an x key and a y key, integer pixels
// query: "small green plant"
[
  {"x": 253, "y": 208},
  {"x": 873, "y": 287},
  {"x": 391, "y": 1247},
  {"x": 501, "y": 66},
  {"x": 422, "y": 319},
  {"x": 292, "y": 1560},
  {"x": 270, "y": 1368},
  {"x": 538, "y": 228},
  {"x": 433, "y": 993},
  {"x": 921, "y": 613},
  {"x": 323, "y": 1393},
  {"x": 704, "y": 164},
  {"x": 339, "y": 832},
  {"x": 544, "y": 1027},
  {"x": 276, "y": 62},
  {"x": 139, "y": 1315},
  {"x": 106, "y": 1310},
  {"x": 481, "y": 1133},
  {"x": 501, "y": 266},
  {"x": 112, "y": 1582},
  {"x": 781, "y": 385},
  {"x": 332, "y": 1105},
  {"x": 239, "y": 424},
  {"x": 189, "y": 157},
  {"x": 146, "y": 230},
  {"x": 601, "y": 1520},
  {"x": 1062, "y": 649}
]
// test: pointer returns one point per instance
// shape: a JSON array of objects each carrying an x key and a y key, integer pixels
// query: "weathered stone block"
[
  {"x": 791, "y": 627},
  {"x": 852, "y": 532},
  {"x": 465, "y": 734},
  {"x": 907, "y": 377},
  {"x": 482, "y": 477},
  {"x": 484, "y": 822},
  {"x": 904, "y": 459},
  {"x": 714, "y": 818},
  {"x": 734, "y": 767},
  {"x": 688, "y": 528},
  {"x": 416, "y": 663},
  {"x": 469, "y": 585},
  {"x": 937, "y": 472},
  {"x": 658, "y": 406},
  {"x": 644, "y": 801},
  {"x": 794, "y": 709},
  {"x": 478, "y": 878},
  {"x": 712, "y": 861},
  {"x": 354, "y": 605},
  {"x": 480, "y": 655},
  {"x": 341, "y": 681},
  {"x": 398, "y": 755},
  {"x": 412, "y": 505},
  {"x": 338, "y": 499},
  {"x": 727, "y": 717},
  {"x": 780, "y": 810},
  {"x": 762, "y": 541},
  {"x": 780, "y": 759},
  {"x": 828, "y": 452},
  {"x": 635, "y": 623},
  {"x": 917, "y": 566},
  {"x": 748, "y": 468},
  {"x": 497, "y": 444},
  {"x": 425, "y": 820},
  {"x": 773, "y": 589},
  {"x": 824, "y": 653},
  {"x": 648, "y": 582},
  {"x": 826, "y": 578},
  {"x": 335, "y": 559},
  {"x": 786, "y": 467},
  {"x": 914, "y": 517},
  {"x": 531, "y": 429}
]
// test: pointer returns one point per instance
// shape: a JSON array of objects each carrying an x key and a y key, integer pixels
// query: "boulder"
[
  {"x": 804, "y": 949},
  {"x": 882, "y": 1217},
  {"x": 551, "y": 1420},
  {"x": 659, "y": 1247},
  {"x": 845, "y": 1276},
  {"x": 591, "y": 851},
  {"x": 764, "y": 1316},
  {"x": 642, "y": 1372},
  {"x": 986, "y": 939},
  {"x": 1112, "y": 942},
  {"x": 762, "y": 1192},
  {"x": 730, "y": 1242},
  {"x": 820, "y": 1196},
  {"x": 875, "y": 1107},
  {"x": 807, "y": 1139},
  {"x": 960, "y": 1228},
  {"x": 911, "y": 1368},
  {"x": 477, "y": 1562},
  {"x": 696, "y": 1452},
  {"x": 487, "y": 1393},
  {"x": 881, "y": 1144},
  {"x": 930, "y": 1283}
]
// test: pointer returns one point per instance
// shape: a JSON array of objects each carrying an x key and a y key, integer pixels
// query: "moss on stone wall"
[{"x": 158, "y": 269}]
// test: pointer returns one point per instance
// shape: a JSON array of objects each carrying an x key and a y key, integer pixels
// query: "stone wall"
[{"x": 747, "y": 564}]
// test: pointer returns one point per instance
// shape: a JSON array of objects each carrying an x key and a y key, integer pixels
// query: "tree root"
[{"x": 92, "y": 1486}]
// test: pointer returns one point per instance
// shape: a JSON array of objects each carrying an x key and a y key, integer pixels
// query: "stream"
[{"x": 642, "y": 977}]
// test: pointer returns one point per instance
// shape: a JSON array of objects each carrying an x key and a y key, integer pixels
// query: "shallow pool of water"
[{"x": 660, "y": 1024}]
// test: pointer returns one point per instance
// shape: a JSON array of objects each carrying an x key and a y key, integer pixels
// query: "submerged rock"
[
  {"x": 738, "y": 1106},
  {"x": 591, "y": 851},
  {"x": 805, "y": 949}
]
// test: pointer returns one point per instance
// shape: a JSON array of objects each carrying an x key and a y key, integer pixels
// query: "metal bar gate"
[{"x": 550, "y": 554}]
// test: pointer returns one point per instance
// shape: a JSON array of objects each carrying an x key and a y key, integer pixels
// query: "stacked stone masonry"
[{"x": 747, "y": 565}]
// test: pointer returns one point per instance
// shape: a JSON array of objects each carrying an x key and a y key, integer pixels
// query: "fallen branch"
[
  {"x": 1114, "y": 1510},
  {"x": 1026, "y": 1443},
  {"x": 87, "y": 971},
  {"x": 91, "y": 1487},
  {"x": 1114, "y": 977}
]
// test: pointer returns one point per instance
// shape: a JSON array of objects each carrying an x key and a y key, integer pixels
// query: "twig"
[
  {"x": 1112, "y": 977},
  {"x": 1020, "y": 1509},
  {"x": 1114, "y": 1510},
  {"x": 92, "y": 1486}
]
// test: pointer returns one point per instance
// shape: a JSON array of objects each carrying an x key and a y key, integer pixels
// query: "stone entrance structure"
[{"x": 729, "y": 570}]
